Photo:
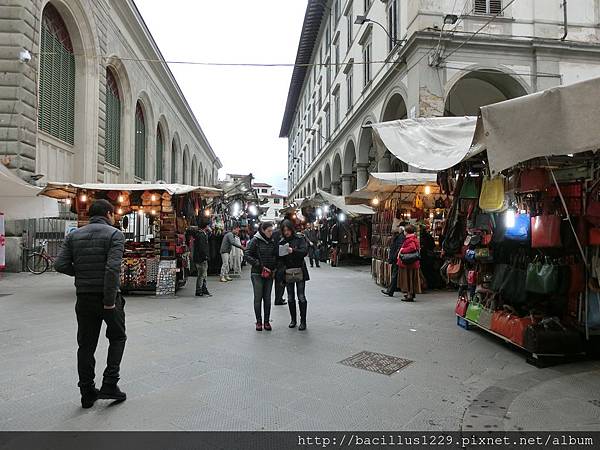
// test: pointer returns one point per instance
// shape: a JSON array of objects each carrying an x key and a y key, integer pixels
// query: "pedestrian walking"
[
  {"x": 409, "y": 272},
  {"x": 279, "y": 280},
  {"x": 228, "y": 243},
  {"x": 93, "y": 255},
  {"x": 236, "y": 256},
  {"x": 397, "y": 241},
  {"x": 312, "y": 235},
  {"x": 261, "y": 254},
  {"x": 201, "y": 256},
  {"x": 296, "y": 272}
]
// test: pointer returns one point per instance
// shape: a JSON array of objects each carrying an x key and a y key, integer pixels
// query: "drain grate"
[{"x": 377, "y": 362}]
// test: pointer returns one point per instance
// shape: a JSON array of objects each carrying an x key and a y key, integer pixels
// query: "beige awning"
[
  {"x": 385, "y": 184},
  {"x": 322, "y": 198},
  {"x": 19, "y": 200},
  {"x": 69, "y": 190}
]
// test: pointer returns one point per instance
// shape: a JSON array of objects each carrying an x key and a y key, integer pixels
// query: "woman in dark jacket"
[
  {"x": 298, "y": 249},
  {"x": 261, "y": 253}
]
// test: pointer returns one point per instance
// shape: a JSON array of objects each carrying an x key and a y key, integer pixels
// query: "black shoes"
[
  {"x": 281, "y": 302},
  {"x": 89, "y": 397},
  {"x": 302, "y": 326},
  {"x": 112, "y": 392},
  {"x": 199, "y": 294},
  {"x": 292, "y": 323},
  {"x": 385, "y": 292}
]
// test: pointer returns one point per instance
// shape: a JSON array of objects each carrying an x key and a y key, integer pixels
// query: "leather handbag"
[
  {"x": 594, "y": 236},
  {"x": 534, "y": 180},
  {"x": 520, "y": 230},
  {"x": 409, "y": 258},
  {"x": 487, "y": 311},
  {"x": 470, "y": 189},
  {"x": 545, "y": 231},
  {"x": 518, "y": 326},
  {"x": 501, "y": 322},
  {"x": 492, "y": 194},
  {"x": 593, "y": 312},
  {"x": 499, "y": 277},
  {"x": 454, "y": 270},
  {"x": 483, "y": 255},
  {"x": 576, "y": 279},
  {"x": 461, "y": 306},
  {"x": 549, "y": 336},
  {"x": 472, "y": 278},
  {"x": 592, "y": 212},
  {"x": 294, "y": 275},
  {"x": 474, "y": 309},
  {"x": 542, "y": 278},
  {"x": 514, "y": 288}
]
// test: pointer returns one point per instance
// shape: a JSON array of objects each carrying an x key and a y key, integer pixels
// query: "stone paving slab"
[{"x": 198, "y": 364}]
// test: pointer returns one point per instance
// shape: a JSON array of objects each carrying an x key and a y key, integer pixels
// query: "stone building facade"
[
  {"x": 95, "y": 102},
  {"x": 404, "y": 62}
]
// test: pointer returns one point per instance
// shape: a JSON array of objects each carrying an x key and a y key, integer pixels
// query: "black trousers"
[
  {"x": 279, "y": 283},
  {"x": 262, "y": 296},
  {"x": 394, "y": 282},
  {"x": 90, "y": 315}
]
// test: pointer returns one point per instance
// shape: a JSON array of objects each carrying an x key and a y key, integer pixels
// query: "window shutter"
[
  {"x": 160, "y": 147},
  {"x": 140, "y": 142},
  {"x": 113, "y": 121}
]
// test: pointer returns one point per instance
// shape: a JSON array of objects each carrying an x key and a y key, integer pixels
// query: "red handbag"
[
  {"x": 534, "y": 180},
  {"x": 576, "y": 279},
  {"x": 501, "y": 323},
  {"x": 461, "y": 306},
  {"x": 545, "y": 231},
  {"x": 472, "y": 278},
  {"x": 592, "y": 212},
  {"x": 517, "y": 327},
  {"x": 594, "y": 236}
]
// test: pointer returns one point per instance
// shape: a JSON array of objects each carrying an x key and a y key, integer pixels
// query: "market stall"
[
  {"x": 404, "y": 197},
  {"x": 153, "y": 218},
  {"x": 522, "y": 240},
  {"x": 345, "y": 229}
]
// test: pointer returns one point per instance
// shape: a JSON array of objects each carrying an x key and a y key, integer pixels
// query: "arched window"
[
  {"x": 173, "y": 163},
  {"x": 160, "y": 150},
  {"x": 113, "y": 121},
  {"x": 185, "y": 167},
  {"x": 56, "y": 115},
  {"x": 140, "y": 142}
]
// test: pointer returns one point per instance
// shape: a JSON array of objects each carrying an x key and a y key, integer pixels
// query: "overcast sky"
[{"x": 239, "y": 109}]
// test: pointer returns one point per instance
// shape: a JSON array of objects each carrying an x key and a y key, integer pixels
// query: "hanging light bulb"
[
  {"x": 120, "y": 211},
  {"x": 427, "y": 190},
  {"x": 153, "y": 198},
  {"x": 252, "y": 209},
  {"x": 375, "y": 201},
  {"x": 326, "y": 209},
  {"x": 342, "y": 217},
  {"x": 69, "y": 201},
  {"x": 141, "y": 211},
  {"x": 509, "y": 218},
  {"x": 83, "y": 198},
  {"x": 121, "y": 199},
  {"x": 153, "y": 212},
  {"x": 207, "y": 212}
]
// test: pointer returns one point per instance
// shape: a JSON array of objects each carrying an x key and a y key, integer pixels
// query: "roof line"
[{"x": 315, "y": 11}]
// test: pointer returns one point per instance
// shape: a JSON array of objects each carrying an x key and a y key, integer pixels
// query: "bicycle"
[{"x": 39, "y": 260}]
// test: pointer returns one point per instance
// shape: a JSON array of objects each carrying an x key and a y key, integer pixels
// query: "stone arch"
[
  {"x": 149, "y": 158},
  {"x": 81, "y": 27},
  {"x": 314, "y": 186},
  {"x": 366, "y": 153},
  {"x": 186, "y": 165},
  {"x": 394, "y": 109},
  {"x": 327, "y": 178},
  {"x": 349, "y": 169},
  {"x": 320, "y": 179},
  {"x": 163, "y": 126},
  {"x": 201, "y": 175},
  {"x": 175, "y": 157},
  {"x": 336, "y": 175},
  {"x": 194, "y": 173},
  {"x": 206, "y": 178},
  {"x": 481, "y": 86}
]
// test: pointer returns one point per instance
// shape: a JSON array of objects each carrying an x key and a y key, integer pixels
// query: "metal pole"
[{"x": 566, "y": 22}]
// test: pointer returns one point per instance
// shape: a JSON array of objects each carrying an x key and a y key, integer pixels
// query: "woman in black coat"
[
  {"x": 261, "y": 253},
  {"x": 294, "y": 262}
]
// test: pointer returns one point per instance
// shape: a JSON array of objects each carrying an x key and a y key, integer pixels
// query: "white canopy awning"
[
  {"x": 558, "y": 121},
  {"x": 325, "y": 198},
  {"x": 19, "y": 200},
  {"x": 392, "y": 182},
  {"x": 69, "y": 190},
  {"x": 428, "y": 143}
]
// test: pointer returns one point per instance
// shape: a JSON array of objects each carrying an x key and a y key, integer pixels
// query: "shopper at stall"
[
  {"x": 296, "y": 272},
  {"x": 428, "y": 258},
  {"x": 409, "y": 272},
  {"x": 227, "y": 244},
  {"x": 93, "y": 255},
  {"x": 235, "y": 258},
  {"x": 312, "y": 235},
  {"x": 200, "y": 256},
  {"x": 397, "y": 241},
  {"x": 261, "y": 254}
]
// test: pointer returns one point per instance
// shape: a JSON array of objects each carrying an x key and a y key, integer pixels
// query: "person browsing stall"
[
  {"x": 409, "y": 265},
  {"x": 228, "y": 243}
]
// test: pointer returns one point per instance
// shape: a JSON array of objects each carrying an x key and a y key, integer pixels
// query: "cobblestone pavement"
[{"x": 198, "y": 364}]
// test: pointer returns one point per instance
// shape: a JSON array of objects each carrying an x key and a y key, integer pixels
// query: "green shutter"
[
  {"x": 57, "y": 88},
  {"x": 173, "y": 163},
  {"x": 140, "y": 143},
  {"x": 160, "y": 146},
  {"x": 113, "y": 122}
]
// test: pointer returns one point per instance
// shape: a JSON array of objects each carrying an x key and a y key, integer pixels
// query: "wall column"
[
  {"x": 362, "y": 175},
  {"x": 336, "y": 188},
  {"x": 346, "y": 184}
]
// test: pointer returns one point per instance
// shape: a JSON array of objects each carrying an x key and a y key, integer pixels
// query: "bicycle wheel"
[{"x": 37, "y": 264}]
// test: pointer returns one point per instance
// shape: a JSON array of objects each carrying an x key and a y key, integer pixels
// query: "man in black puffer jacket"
[{"x": 93, "y": 254}]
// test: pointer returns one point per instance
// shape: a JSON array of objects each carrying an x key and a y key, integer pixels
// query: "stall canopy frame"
[
  {"x": 64, "y": 191},
  {"x": 19, "y": 200},
  {"x": 325, "y": 198},
  {"x": 390, "y": 183}
]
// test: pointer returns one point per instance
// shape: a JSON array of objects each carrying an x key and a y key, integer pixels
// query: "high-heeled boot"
[
  {"x": 292, "y": 306},
  {"x": 303, "y": 305}
]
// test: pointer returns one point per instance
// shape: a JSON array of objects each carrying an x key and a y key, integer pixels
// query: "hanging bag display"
[
  {"x": 534, "y": 180},
  {"x": 593, "y": 312},
  {"x": 513, "y": 290},
  {"x": 474, "y": 309},
  {"x": 487, "y": 311},
  {"x": 520, "y": 230},
  {"x": 461, "y": 306},
  {"x": 492, "y": 194},
  {"x": 454, "y": 270},
  {"x": 592, "y": 212},
  {"x": 409, "y": 258},
  {"x": 518, "y": 326},
  {"x": 545, "y": 231},
  {"x": 470, "y": 189},
  {"x": 542, "y": 278},
  {"x": 551, "y": 337}
]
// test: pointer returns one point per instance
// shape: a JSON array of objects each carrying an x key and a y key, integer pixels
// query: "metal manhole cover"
[{"x": 377, "y": 362}]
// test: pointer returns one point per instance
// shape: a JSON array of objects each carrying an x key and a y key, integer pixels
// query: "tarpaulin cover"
[
  {"x": 68, "y": 190},
  {"x": 325, "y": 198},
  {"x": 428, "y": 143},
  {"x": 558, "y": 121},
  {"x": 19, "y": 200},
  {"x": 390, "y": 182}
]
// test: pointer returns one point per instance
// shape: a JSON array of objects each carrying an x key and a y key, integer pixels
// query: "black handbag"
[
  {"x": 499, "y": 277},
  {"x": 410, "y": 258},
  {"x": 550, "y": 337}
]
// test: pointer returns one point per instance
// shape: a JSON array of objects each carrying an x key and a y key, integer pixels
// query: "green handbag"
[
  {"x": 474, "y": 309},
  {"x": 470, "y": 189},
  {"x": 542, "y": 278}
]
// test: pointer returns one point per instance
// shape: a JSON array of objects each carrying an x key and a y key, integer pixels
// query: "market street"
[{"x": 198, "y": 364}]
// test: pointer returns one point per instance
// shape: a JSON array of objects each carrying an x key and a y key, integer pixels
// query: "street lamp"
[
  {"x": 450, "y": 19},
  {"x": 361, "y": 19}
]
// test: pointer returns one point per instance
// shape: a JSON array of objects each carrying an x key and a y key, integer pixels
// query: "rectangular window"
[
  {"x": 392, "y": 23},
  {"x": 367, "y": 73},
  {"x": 349, "y": 87},
  {"x": 264, "y": 191},
  {"x": 336, "y": 112},
  {"x": 368, "y": 5},
  {"x": 276, "y": 201},
  {"x": 328, "y": 123},
  {"x": 350, "y": 21},
  {"x": 337, "y": 58},
  {"x": 337, "y": 10},
  {"x": 328, "y": 74},
  {"x": 488, "y": 7}
]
